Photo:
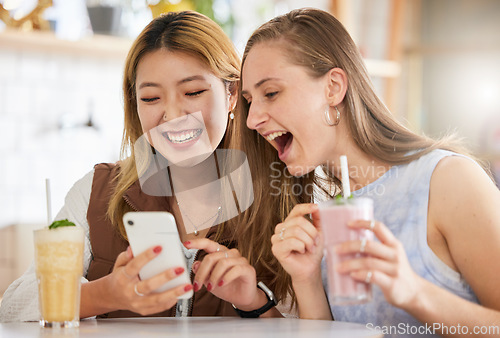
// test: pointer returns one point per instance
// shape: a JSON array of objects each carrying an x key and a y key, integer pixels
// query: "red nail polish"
[
  {"x": 188, "y": 287},
  {"x": 209, "y": 287},
  {"x": 221, "y": 283},
  {"x": 178, "y": 271},
  {"x": 186, "y": 243},
  {"x": 196, "y": 287},
  {"x": 157, "y": 249}
]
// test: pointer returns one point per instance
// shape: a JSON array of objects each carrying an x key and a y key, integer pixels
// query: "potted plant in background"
[{"x": 105, "y": 16}]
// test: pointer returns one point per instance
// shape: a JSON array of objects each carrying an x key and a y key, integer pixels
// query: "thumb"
[{"x": 123, "y": 258}]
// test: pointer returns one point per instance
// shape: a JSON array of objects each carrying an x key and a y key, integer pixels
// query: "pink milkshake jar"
[{"x": 335, "y": 214}]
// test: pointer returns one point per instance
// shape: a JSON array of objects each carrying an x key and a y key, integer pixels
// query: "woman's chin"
[
  {"x": 298, "y": 171},
  {"x": 181, "y": 160},
  {"x": 192, "y": 161}
]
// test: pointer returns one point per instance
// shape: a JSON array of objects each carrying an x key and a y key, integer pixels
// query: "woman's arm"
[
  {"x": 464, "y": 207},
  {"x": 464, "y": 232},
  {"x": 311, "y": 298},
  {"x": 123, "y": 290},
  {"x": 229, "y": 276}
]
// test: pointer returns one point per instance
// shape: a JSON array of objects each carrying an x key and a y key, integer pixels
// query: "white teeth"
[
  {"x": 272, "y": 136},
  {"x": 184, "y": 136}
]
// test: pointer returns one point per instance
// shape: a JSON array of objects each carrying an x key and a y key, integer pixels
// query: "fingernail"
[
  {"x": 178, "y": 271},
  {"x": 196, "y": 287},
  {"x": 186, "y": 243},
  {"x": 220, "y": 283},
  {"x": 188, "y": 287},
  {"x": 209, "y": 286},
  {"x": 157, "y": 249}
]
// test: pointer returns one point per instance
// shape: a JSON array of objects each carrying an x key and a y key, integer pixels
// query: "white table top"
[{"x": 194, "y": 327}]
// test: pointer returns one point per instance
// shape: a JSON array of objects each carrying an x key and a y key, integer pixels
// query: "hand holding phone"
[{"x": 146, "y": 229}]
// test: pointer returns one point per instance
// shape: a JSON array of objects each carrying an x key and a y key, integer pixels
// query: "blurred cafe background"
[{"x": 436, "y": 64}]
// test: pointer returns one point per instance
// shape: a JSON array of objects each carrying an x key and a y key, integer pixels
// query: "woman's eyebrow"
[
  {"x": 148, "y": 84},
  {"x": 260, "y": 83},
  {"x": 191, "y": 78},
  {"x": 187, "y": 79}
]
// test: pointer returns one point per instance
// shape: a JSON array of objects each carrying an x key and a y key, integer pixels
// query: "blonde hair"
[
  {"x": 317, "y": 41},
  {"x": 187, "y": 32}
]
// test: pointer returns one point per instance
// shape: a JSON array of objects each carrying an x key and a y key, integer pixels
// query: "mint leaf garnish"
[
  {"x": 340, "y": 200},
  {"x": 61, "y": 223}
]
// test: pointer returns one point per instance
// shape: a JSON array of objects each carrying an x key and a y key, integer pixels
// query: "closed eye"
[
  {"x": 196, "y": 93},
  {"x": 149, "y": 99}
]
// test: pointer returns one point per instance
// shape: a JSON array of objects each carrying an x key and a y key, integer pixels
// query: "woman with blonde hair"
[
  {"x": 307, "y": 99},
  {"x": 180, "y": 88}
]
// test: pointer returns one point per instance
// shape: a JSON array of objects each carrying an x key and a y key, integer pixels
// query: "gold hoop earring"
[{"x": 328, "y": 118}]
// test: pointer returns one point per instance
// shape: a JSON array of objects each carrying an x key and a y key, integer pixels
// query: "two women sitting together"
[{"x": 300, "y": 98}]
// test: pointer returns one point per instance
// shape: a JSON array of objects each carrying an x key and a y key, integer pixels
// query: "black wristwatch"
[{"x": 256, "y": 313}]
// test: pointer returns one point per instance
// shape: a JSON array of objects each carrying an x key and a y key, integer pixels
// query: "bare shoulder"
[
  {"x": 463, "y": 196},
  {"x": 461, "y": 180},
  {"x": 464, "y": 207}
]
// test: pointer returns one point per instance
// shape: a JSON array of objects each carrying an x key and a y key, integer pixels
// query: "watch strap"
[{"x": 266, "y": 307}]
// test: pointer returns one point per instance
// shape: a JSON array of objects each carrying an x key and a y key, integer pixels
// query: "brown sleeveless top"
[{"x": 107, "y": 244}]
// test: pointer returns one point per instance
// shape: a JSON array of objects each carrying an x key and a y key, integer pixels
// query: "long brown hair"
[
  {"x": 188, "y": 32},
  {"x": 317, "y": 41}
]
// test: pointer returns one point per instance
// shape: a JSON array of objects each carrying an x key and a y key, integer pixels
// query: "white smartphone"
[{"x": 146, "y": 229}]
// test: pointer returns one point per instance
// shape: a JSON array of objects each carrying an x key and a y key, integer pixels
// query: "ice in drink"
[
  {"x": 335, "y": 214},
  {"x": 59, "y": 266}
]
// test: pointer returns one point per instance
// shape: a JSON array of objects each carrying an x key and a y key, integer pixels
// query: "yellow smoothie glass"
[{"x": 59, "y": 267}]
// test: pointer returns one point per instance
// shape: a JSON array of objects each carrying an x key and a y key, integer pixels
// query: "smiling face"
[
  {"x": 183, "y": 108},
  {"x": 287, "y": 108}
]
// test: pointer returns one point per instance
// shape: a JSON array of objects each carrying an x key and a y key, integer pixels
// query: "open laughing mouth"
[
  {"x": 184, "y": 136},
  {"x": 282, "y": 140}
]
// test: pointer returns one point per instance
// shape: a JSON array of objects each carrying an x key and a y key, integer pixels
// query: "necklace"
[{"x": 196, "y": 232}]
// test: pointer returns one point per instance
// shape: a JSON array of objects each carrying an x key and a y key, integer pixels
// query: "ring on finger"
[
  {"x": 282, "y": 233},
  {"x": 363, "y": 245},
  {"x": 368, "y": 277},
  {"x": 137, "y": 292},
  {"x": 372, "y": 224}
]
